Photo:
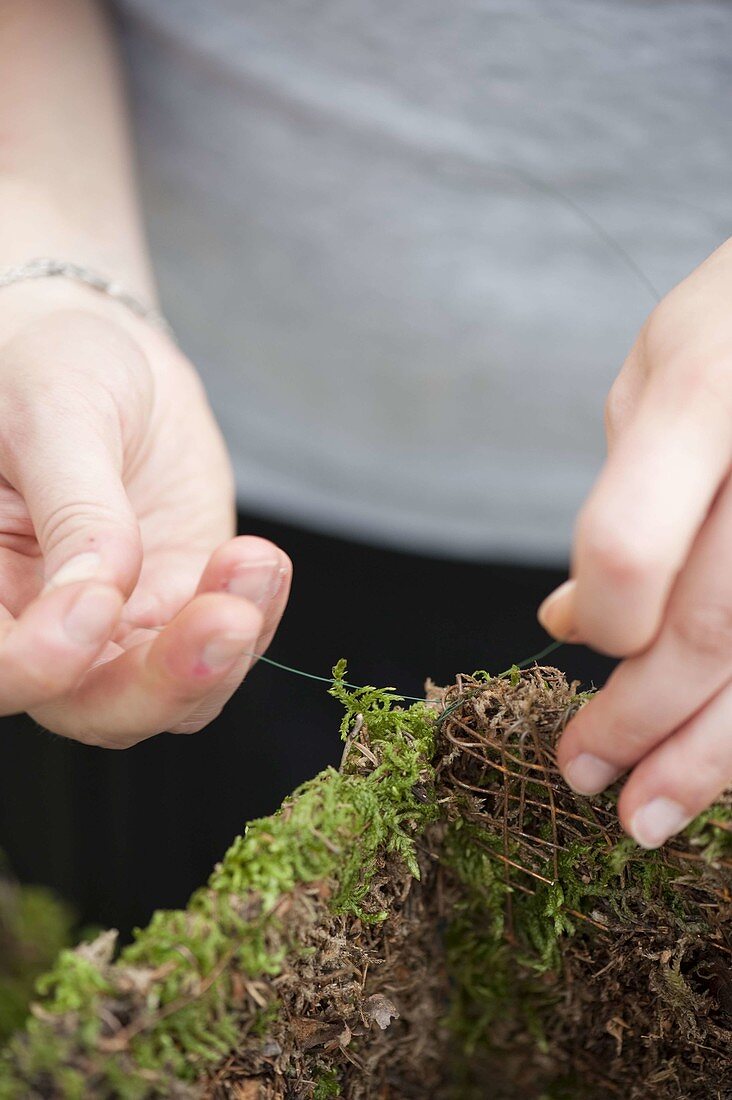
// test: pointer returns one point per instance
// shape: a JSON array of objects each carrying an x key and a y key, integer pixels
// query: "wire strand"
[
  {"x": 406, "y": 698},
  {"x": 613, "y": 245},
  {"x": 361, "y": 687}
]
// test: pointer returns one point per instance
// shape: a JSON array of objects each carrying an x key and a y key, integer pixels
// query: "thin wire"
[
  {"x": 596, "y": 227},
  {"x": 406, "y": 698},
  {"x": 360, "y": 687},
  {"x": 329, "y": 679},
  {"x": 631, "y": 264},
  {"x": 536, "y": 657},
  {"x": 614, "y": 245}
]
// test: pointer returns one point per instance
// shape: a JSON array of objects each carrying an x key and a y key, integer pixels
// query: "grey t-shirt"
[{"x": 408, "y": 242}]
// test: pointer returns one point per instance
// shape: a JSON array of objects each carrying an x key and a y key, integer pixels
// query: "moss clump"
[
  {"x": 169, "y": 1007},
  {"x": 34, "y": 927},
  {"x": 440, "y": 912},
  {"x": 598, "y": 972}
]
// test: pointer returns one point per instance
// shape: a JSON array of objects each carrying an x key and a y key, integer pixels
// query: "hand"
[
  {"x": 126, "y": 607},
  {"x": 652, "y": 570}
]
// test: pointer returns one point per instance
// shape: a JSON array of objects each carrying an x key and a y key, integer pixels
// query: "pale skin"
[
  {"x": 651, "y": 579},
  {"x": 128, "y": 608}
]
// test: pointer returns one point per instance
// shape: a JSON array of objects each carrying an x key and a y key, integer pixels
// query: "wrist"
[
  {"x": 31, "y": 301},
  {"x": 46, "y": 267},
  {"x": 38, "y": 223}
]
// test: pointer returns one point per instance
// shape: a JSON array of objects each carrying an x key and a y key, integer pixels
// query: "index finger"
[{"x": 657, "y": 486}]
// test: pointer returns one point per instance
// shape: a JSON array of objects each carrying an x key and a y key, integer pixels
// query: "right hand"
[
  {"x": 651, "y": 572},
  {"x": 126, "y": 606}
]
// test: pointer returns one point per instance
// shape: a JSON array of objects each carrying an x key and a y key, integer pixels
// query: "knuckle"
[
  {"x": 655, "y": 327},
  {"x": 65, "y": 521},
  {"x": 616, "y": 406},
  {"x": 696, "y": 364},
  {"x": 621, "y": 555},
  {"x": 665, "y": 331},
  {"x": 705, "y": 628}
]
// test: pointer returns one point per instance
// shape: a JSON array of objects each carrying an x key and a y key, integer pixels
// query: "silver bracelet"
[{"x": 43, "y": 268}]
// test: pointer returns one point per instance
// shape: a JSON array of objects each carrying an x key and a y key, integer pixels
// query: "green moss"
[
  {"x": 521, "y": 890},
  {"x": 497, "y": 976},
  {"x": 328, "y": 1086},
  {"x": 34, "y": 927},
  {"x": 333, "y": 828},
  {"x": 711, "y": 832}
]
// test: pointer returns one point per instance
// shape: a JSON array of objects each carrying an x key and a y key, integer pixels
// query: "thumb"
[{"x": 70, "y": 477}]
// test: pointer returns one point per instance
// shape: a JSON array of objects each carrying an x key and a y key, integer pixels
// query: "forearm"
[{"x": 66, "y": 174}]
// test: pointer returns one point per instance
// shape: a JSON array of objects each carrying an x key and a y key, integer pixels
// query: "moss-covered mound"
[
  {"x": 440, "y": 918},
  {"x": 34, "y": 926}
]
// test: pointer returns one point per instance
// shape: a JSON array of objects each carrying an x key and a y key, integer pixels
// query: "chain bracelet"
[{"x": 45, "y": 268}]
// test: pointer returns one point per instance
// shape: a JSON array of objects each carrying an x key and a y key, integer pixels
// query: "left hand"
[
  {"x": 652, "y": 576},
  {"x": 127, "y": 607}
]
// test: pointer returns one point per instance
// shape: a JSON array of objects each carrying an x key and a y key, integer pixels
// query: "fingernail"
[
  {"x": 223, "y": 650},
  {"x": 659, "y": 819},
  {"x": 84, "y": 567},
  {"x": 258, "y": 581},
  {"x": 92, "y": 615},
  {"x": 588, "y": 774},
  {"x": 556, "y": 613}
]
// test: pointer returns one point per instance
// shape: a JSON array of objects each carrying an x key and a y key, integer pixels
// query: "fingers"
[
  {"x": 45, "y": 653},
  {"x": 157, "y": 684},
  {"x": 636, "y": 530},
  {"x": 650, "y": 572},
  {"x": 639, "y": 524},
  {"x": 180, "y": 679},
  {"x": 168, "y": 580},
  {"x": 624, "y": 396},
  {"x": 63, "y": 451},
  {"x": 254, "y": 569},
  {"x": 247, "y": 566},
  {"x": 650, "y": 696},
  {"x": 682, "y": 777},
  {"x": 557, "y": 613},
  {"x": 83, "y": 520},
  {"x": 250, "y": 568}
]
